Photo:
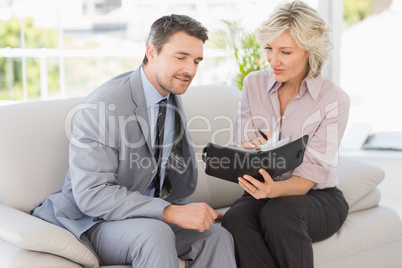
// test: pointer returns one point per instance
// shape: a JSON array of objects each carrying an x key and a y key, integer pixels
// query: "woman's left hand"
[{"x": 256, "y": 188}]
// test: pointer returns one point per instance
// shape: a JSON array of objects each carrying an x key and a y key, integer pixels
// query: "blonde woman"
[{"x": 276, "y": 221}]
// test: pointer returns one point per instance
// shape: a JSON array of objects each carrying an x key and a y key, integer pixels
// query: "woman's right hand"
[{"x": 257, "y": 142}]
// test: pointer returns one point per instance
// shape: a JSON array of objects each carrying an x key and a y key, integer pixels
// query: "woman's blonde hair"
[{"x": 306, "y": 27}]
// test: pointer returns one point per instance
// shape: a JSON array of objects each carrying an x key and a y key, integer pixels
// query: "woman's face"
[{"x": 288, "y": 61}]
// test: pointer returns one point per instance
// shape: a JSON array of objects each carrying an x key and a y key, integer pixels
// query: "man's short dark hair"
[{"x": 163, "y": 28}]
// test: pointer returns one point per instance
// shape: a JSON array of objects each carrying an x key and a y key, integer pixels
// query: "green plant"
[{"x": 243, "y": 45}]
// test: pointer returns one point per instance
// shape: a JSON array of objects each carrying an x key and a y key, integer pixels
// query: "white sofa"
[{"x": 33, "y": 163}]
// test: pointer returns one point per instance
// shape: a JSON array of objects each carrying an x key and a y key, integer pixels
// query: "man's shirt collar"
[{"x": 152, "y": 96}]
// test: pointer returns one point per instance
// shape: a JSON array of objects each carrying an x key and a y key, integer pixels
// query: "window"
[
  {"x": 370, "y": 59},
  {"x": 72, "y": 46}
]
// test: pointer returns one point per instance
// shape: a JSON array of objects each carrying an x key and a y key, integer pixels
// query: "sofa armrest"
[{"x": 30, "y": 233}]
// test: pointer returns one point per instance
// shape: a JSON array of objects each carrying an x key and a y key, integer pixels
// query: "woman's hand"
[
  {"x": 272, "y": 189},
  {"x": 257, "y": 141},
  {"x": 257, "y": 189}
]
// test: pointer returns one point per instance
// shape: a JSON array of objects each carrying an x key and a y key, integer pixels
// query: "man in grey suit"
[{"x": 125, "y": 195}]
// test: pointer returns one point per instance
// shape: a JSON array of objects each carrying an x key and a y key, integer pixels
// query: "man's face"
[{"x": 173, "y": 69}]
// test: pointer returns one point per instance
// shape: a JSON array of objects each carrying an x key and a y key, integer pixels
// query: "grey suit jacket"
[{"x": 111, "y": 162}]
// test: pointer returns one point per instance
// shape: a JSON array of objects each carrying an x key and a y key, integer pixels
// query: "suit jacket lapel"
[{"x": 140, "y": 109}]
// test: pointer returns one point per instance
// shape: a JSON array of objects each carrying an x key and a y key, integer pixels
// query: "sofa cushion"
[
  {"x": 27, "y": 232},
  {"x": 34, "y": 151},
  {"x": 357, "y": 179},
  {"x": 215, "y": 192},
  {"x": 211, "y": 113},
  {"x": 368, "y": 238},
  {"x": 370, "y": 200}
]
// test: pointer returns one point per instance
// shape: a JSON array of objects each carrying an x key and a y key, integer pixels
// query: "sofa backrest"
[
  {"x": 211, "y": 112},
  {"x": 33, "y": 151},
  {"x": 34, "y": 141}
]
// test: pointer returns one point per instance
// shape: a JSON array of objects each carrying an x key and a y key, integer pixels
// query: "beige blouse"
[{"x": 321, "y": 110}]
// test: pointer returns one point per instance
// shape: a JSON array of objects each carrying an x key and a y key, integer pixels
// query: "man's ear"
[{"x": 151, "y": 52}]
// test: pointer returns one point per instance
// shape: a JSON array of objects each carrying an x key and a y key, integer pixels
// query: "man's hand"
[
  {"x": 196, "y": 216},
  {"x": 220, "y": 216}
]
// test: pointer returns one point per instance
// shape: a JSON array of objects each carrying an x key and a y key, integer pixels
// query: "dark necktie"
[{"x": 160, "y": 127}]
